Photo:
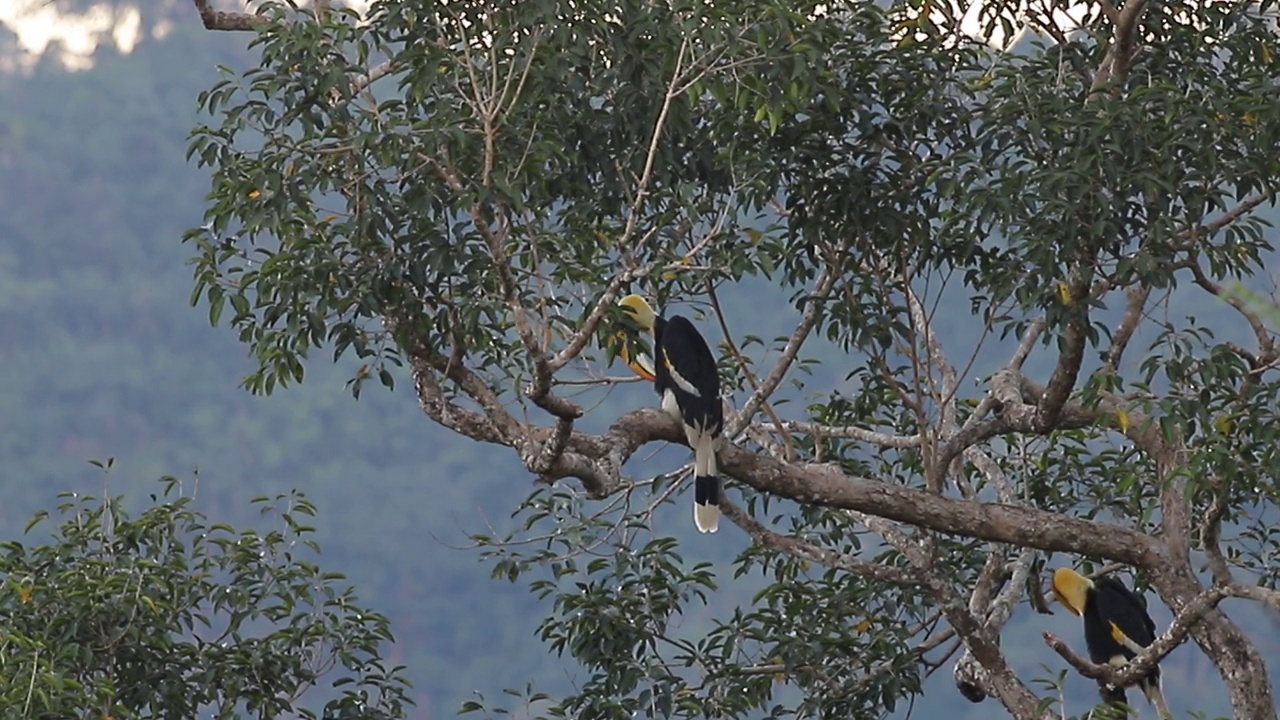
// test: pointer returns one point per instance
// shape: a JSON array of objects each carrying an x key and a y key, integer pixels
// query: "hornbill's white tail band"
[{"x": 706, "y": 483}]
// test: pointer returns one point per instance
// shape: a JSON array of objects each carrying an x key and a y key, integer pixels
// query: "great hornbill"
[
  {"x": 1116, "y": 624},
  {"x": 684, "y": 374}
]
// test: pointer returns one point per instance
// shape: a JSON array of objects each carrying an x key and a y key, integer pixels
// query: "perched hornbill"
[
  {"x": 1116, "y": 624},
  {"x": 684, "y": 374}
]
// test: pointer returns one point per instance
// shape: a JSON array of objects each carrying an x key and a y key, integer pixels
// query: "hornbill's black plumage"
[
  {"x": 684, "y": 373},
  {"x": 1116, "y": 624}
]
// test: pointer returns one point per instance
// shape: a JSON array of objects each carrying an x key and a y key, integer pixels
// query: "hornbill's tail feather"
[
  {"x": 706, "y": 485},
  {"x": 1151, "y": 688}
]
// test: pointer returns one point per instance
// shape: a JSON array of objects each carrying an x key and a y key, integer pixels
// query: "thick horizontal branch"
[
  {"x": 826, "y": 486},
  {"x": 1267, "y": 596},
  {"x": 1001, "y": 523}
]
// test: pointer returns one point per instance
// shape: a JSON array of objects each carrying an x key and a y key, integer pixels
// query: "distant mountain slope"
[{"x": 100, "y": 355}]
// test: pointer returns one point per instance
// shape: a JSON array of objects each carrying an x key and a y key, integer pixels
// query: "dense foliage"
[
  {"x": 102, "y": 356},
  {"x": 168, "y": 615}
]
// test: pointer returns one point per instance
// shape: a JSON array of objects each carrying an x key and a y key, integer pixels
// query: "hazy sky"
[{"x": 37, "y": 25}]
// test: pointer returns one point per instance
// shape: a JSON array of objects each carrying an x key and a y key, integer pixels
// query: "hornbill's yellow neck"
[{"x": 1072, "y": 589}]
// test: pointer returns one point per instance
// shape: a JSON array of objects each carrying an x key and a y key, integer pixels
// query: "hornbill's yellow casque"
[
  {"x": 1116, "y": 624},
  {"x": 684, "y": 374}
]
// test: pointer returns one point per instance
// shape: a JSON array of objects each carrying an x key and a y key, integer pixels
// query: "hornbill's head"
[
  {"x": 640, "y": 310},
  {"x": 644, "y": 316},
  {"x": 1071, "y": 588}
]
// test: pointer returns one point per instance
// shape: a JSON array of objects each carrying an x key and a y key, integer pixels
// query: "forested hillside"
[{"x": 102, "y": 355}]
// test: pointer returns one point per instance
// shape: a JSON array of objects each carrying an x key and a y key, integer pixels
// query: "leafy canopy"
[
  {"x": 168, "y": 615},
  {"x": 467, "y": 187}
]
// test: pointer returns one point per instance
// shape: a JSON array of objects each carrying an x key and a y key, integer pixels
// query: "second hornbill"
[
  {"x": 684, "y": 373},
  {"x": 1116, "y": 624}
]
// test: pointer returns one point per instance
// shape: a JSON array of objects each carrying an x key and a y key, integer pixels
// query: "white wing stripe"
[{"x": 683, "y": 384}]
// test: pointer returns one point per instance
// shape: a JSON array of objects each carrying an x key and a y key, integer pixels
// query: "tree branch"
[
  {"x": 845, "y": 432},
  {"x": 985, "y": 647},
  {"x": 436, "y": 405},
  {"x": 376, "y": 73},
  {"x": 816, "y": 303},
  {"x": 789, "y": 448},
  {"x": 1063, "y": 380},
  {"x": 971, "y": 678},
  {"x": 1188, "y": 235},
  {"x": 946, "y": 399},
  {"x": 976, "y": 427},
  {"x": 827, "y": 486},
  {"x": 1267, "y": 596},
  {"x": 988, "y": 521},
  {"x": 230, "y": 21},
  {"x": 642, "y": 186},
  {"x": 1210, "y": 528},
  {"x": 1114, "y": 68},
  {"x": 945, "y": 396},
  {"x": 1266, "y": 345},
  {"x": 1136, "y": 303},
  {"x": 815, "y": 554}
]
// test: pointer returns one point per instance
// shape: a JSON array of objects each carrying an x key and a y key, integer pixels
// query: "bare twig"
[
  {"x": 1266, "y": 345},
  {"x": 846, "y": 432},
  {"x": 816, "y": 302},
  {"x": 789, "y": 447},
  {"x": 642, "y": 186},
  {"x": 813, "y": 553}
]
